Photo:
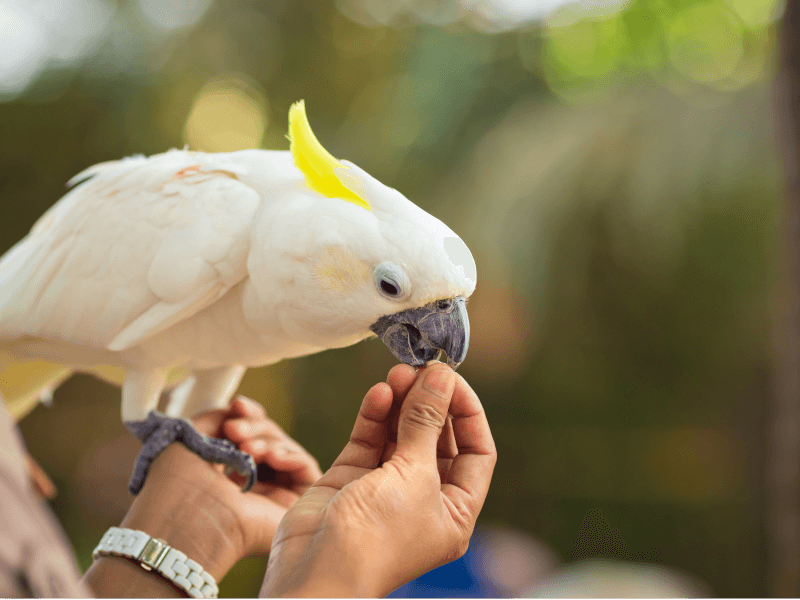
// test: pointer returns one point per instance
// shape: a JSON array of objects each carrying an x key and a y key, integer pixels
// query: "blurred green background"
[{"x": 611, "y": 165}]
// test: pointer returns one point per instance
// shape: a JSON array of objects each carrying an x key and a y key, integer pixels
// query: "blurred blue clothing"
[{"x": 462, "y": 578}]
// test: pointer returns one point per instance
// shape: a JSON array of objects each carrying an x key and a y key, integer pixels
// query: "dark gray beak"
[{"x": 416, "y": 335}]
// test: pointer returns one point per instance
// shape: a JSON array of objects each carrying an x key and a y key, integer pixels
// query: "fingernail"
[{"x": 439, "y": 381}]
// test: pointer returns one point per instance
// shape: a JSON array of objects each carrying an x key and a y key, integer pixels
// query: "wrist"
[
  {"x": 329, "y": 589},
  {"x": 309, "y": 575},
  {"x": 155, "y": 555},
  {"x": 189, "y": 517},
  {"x": 203, "y": 536},
  {"x": 120, "y": 577}
]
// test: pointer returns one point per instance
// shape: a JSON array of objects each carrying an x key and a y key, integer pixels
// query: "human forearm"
[
  {"x": 188, "y": 516},
  {"x": 197, "y": 523},
  {"x": 118, "y": 577},
  {"x": 202, "y": 513},
  {"x": 124, "y": 576}
]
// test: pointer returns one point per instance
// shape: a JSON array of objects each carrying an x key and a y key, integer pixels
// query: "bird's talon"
[{"x": 157, "y": 431}]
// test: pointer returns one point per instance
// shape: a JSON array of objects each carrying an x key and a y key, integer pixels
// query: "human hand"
[
  {"x": 402, "y": 497},
  {"x": 199, "y": 510}
]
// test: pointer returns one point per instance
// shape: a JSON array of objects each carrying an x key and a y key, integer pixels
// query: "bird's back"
[{"x": 134, "y": 234}]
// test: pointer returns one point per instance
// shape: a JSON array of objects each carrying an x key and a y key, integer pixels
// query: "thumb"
[{"x": 424, "y": 412}]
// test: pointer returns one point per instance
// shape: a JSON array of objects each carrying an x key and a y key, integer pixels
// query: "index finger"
[
  {"x": 368, "y": 438},
  {"x": 471, "y": 470}
]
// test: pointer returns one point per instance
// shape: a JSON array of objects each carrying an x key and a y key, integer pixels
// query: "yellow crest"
[{"x": 316, "y": 163}]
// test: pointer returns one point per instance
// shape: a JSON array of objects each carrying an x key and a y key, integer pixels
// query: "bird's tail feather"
[
  {"x": 23, "y": 384},
  {"x": 26, "y": 383}
]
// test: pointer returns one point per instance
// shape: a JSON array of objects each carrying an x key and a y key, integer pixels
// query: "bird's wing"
[{"x": 140, "y": 246}]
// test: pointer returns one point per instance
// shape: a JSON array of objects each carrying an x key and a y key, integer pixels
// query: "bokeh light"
[
  {"x": 758, "y": 13},
  {"x": 35, "y": 36},
  {"x": 706, "y": 42},
  {"x": 230, "y": 113},
  {"x": 166, "y": 16},
  {"x": 592, "y": 48}
]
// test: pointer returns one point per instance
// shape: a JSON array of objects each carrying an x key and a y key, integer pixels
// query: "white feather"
[{"x": 211, "y": 263}]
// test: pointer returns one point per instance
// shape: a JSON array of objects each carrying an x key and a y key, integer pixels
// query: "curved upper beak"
[{"x": 415, "y": 336}]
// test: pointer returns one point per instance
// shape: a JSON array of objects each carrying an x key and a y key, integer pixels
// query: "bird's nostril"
[{"x": 444, "y": 304}]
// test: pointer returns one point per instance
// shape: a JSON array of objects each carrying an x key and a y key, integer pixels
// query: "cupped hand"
[
  {"x": 199, "y": 510},
  {"x": 402, "y": 497}
]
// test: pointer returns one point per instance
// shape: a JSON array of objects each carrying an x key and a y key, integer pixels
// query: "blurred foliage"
[
  {"x": 718, "y": 44},
  {"x": 610, "y": 165}
]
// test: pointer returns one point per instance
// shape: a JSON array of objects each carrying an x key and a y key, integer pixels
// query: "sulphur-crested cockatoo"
[{"x": 206, "y": 264}]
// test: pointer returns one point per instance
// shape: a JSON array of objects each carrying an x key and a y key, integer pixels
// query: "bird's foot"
[{"x": 158, "y": 431}]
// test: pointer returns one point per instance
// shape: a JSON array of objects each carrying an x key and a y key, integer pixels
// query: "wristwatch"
[{"x": 153, "y": 554}]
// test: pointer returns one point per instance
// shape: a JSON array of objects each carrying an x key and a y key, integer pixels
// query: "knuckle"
[
  {"x": 364, "y": 443},
  {"x": 254, "y": 406},
  {"x": 464, "y": 515},
  {"x": 425, "y": 415},
  {"x": 402, "y": 467}
]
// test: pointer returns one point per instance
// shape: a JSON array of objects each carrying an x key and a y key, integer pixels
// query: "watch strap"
[{"x": 154, "y": 554}]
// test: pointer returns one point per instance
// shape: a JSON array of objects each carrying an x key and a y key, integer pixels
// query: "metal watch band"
[{"x": 155, "y": 555}]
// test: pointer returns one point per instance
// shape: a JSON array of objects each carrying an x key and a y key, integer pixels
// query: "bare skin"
[
  {"x": 402, "y": 497},
  {"x": 200, "y": 511}
]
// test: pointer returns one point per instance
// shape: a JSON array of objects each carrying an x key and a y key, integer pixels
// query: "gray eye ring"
[{"x": 391, "y": 281}]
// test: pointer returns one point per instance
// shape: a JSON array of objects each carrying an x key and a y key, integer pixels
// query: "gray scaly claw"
[{"x": 158, "y": 431}]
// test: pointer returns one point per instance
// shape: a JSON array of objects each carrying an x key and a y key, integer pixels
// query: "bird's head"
[{"x": 371, "y": 261}]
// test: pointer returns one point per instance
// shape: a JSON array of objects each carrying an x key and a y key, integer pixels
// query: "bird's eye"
[
  {"x": 392, "y": 281},
  {"x": 390, "y": 288}
]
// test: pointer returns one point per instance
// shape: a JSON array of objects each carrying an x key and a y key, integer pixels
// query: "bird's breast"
[{"x": 223, "y": 334}]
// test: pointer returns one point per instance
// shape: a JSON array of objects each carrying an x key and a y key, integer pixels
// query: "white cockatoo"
[{"x": 206, "y": 264}]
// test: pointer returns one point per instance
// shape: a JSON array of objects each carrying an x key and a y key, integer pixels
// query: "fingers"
[
  {"x": 241, "y": 429},
  {"x": 210, "y": 423},
  {"x": 283, "y": 456},
  {"x": 367, "y": 441},
  {"x": 446, "y": 446},
  {"x": 41, "y": 481},
  {"x": 243, "y": 406},
  {"x": 252, "y": 430},
  {"x": 424, "y": 413},
  {"x": 261, "y": 437},
  {"x": 471, "y": 470},
  {"x": 400, "y": 379}
]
